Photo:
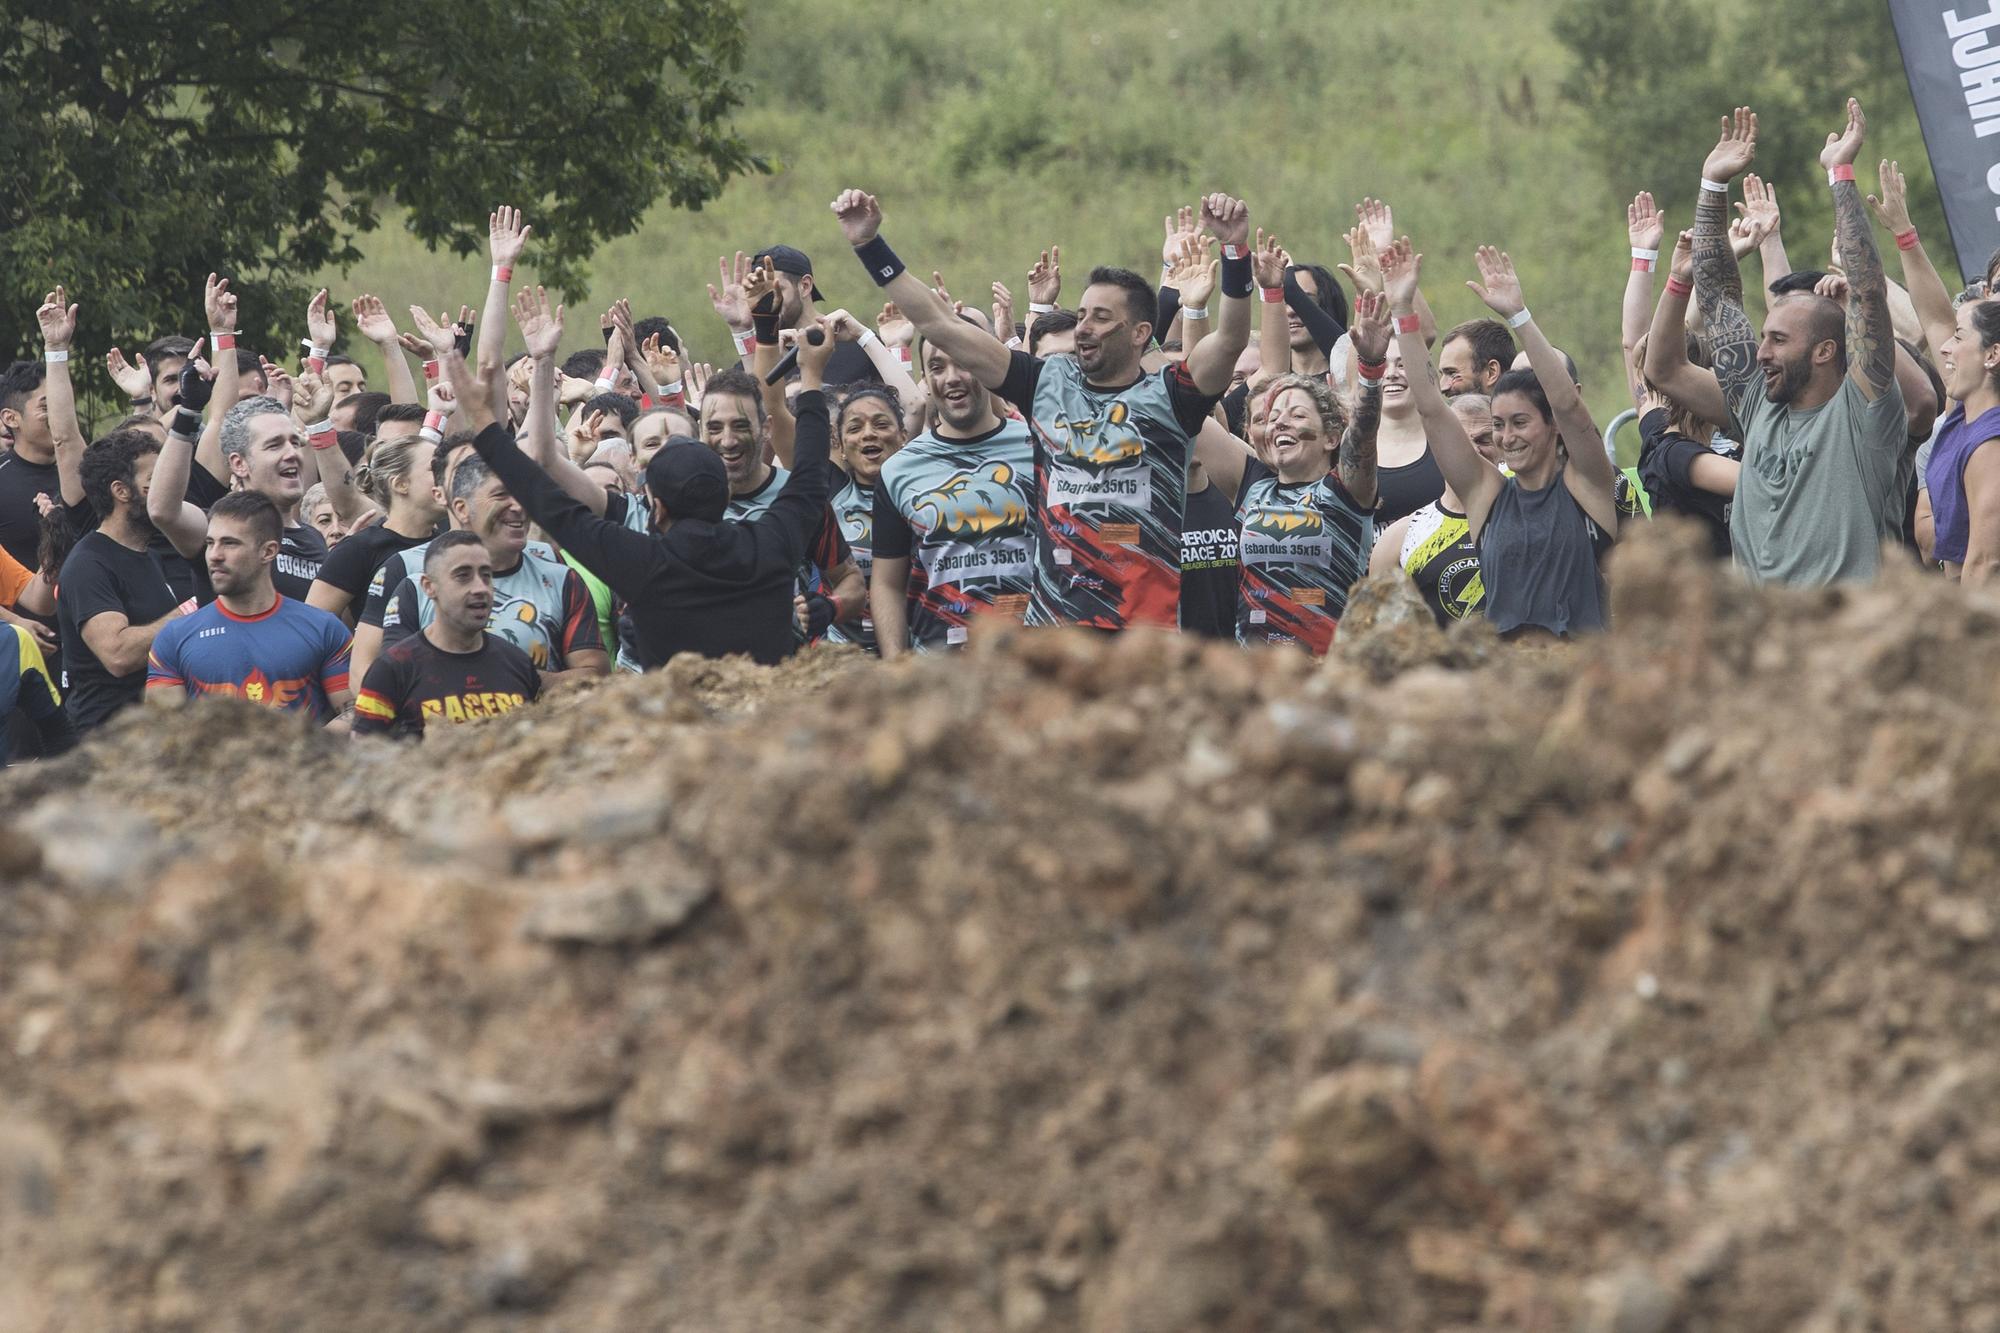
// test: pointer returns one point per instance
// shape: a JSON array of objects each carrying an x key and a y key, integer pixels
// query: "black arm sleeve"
[
  {"x": 894, "y": 538},
  {"x": 1024, "y": 373},
  {"x": 621, "y": 557},
  {"x": 1324, "y": 328},
  {"x": 793, "y": 519},
  {"x": 1170, "y": 305}
]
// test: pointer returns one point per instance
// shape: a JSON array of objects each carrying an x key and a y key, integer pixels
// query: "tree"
[
  {"x": 1655, "y": 76},
  {"x": 146, "y": 145}
]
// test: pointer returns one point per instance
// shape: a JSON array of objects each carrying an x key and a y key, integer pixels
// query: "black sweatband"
[
  {"x": 880, "y": 261},
  {"x": 1236, "y": 276},
  {"x": 187, "y": 424},
  {"x": 765, "y": 325}
]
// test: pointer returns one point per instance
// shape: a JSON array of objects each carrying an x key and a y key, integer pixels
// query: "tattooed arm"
[
  {"x": 1718, "y": 286},
  {"x": 1871, "y": 339},
  {"x": 1370, "y": 337}
]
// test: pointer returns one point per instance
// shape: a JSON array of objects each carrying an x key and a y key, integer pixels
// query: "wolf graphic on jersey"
[
  {"x": 1302, "y": 547},
  {"x": 988, "y": 502}
]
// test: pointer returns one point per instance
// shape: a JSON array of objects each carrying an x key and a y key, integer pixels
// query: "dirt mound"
[{"x": 1130, "y": 985}]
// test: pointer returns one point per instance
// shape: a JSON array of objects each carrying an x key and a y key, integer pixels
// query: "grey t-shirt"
[{"x": 1815, "y": 495}]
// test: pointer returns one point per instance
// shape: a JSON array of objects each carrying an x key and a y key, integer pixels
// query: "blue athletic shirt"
[{"x": 290, "y": 657}]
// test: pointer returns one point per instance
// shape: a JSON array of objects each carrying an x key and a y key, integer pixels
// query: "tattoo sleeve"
[
  {"x": 1357, "y": 447},
  {"x": 1871, "y": 340},
  {"x": 1718, "y": 286}
]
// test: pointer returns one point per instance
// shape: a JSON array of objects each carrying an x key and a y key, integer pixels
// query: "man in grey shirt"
[{"x": 1815, "y": 401}]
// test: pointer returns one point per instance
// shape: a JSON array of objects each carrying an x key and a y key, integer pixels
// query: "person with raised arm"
[
  {"x": 696, "y": 582},
  {"x": 1686, "y": 467},
  {"x": 1434, "y": 546},
  {"x": 1542, "y": 531},
  {"x": 1823, "y": 441},
  {"x": 1111, "y": 440}
]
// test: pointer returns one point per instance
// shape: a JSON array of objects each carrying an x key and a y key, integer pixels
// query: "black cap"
[
  {"x": 689, "y": 479},
  {"x": 787, "y": 260}
]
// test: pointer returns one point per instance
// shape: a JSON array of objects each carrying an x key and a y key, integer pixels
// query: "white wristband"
[
  {"x": 1013, "y": 343},
  {"x": 55, "y": 355},
  {"x": 744, "y": 342},
  {"x": 1714, "y": 187},
  {"x": 1516, "y": 321},
  {"x": 868, "y": 338},
  {"x": 1041, "y": 308},
  {"x": 674, "y": 390},
  {"x": 1194, "y": 312},
  {"x": 1638, "y": 253}
]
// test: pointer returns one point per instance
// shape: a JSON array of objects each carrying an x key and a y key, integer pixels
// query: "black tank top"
[{"x": 1406, "y": 489}]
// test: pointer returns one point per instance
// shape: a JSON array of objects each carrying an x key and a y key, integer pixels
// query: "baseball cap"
[
  {"x": 787, "y": 260},
  {"x": 689, "y": 479}
]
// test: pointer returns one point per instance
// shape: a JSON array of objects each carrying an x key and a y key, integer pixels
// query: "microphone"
[{"x": 790, "y": 360}]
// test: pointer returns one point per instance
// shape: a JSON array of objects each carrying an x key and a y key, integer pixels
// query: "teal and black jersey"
[
  {"x": 1110, "y": 491},
  {"x": 854, "y": 514},
  {"x": 540, "y": 605},
  {"x": 1303, "y": 545}
]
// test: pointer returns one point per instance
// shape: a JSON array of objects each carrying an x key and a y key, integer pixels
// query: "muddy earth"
[{"x": 1123, "y": 985}]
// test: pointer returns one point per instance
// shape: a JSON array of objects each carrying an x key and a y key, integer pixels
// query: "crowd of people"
[{"x": 1227, "y": 452}]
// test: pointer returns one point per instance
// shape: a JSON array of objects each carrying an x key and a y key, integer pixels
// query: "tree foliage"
[
  {"x": 1656, "y": 75},
  {"x": 145, "y": 145}
]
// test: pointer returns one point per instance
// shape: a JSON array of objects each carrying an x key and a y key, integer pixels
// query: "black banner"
[{"x": 1951, "y": 52}]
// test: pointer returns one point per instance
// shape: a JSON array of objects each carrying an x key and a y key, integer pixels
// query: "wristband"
[
  {"x": 670, "y": 393},
  {"x": 435, "y": 437},
  {"x": 187, "y": 608},
  {"x": 764, "y": 328},
  {"x": 55, "y": 355},
  {"x": 1714, "y": 187},
  {"x": 1194, "y": 312},
  {"x": 1641, "y": 265},
  {"x": 1640, "y": 252},
  {"x": 1043, "y": 307},
  {"x": 1014, "y": 344},
  {"x": 434, "y": 420},
  {"x": 322, "y": 435},
  {"x": 1371, "y": 372},
  {"x": 868, "y": 339},
  {"x": 432, "y": 370},
  {"x": 1906, "y": 240},
  {"x": 503, "y": 273},
  {"x": 606, "y": 381},
  {"x": 1410, "y": 323},
  {"x": 1516, "y": 321},
  {"x": 1236, "y": 279},
  {"x": 880, "y": 261},
  {"x": 221, "y": 342},
  {"x": 1274, "y": 295},
  {"x": 315, "y": 357},
  {"x": 187, "y": 423},
  {"x": 1843, "y": 172},
  {"x": 903, "y": 355},
  {"x": 146, "y": 401},
  {"x": 1679, "y": 287},
  {"x": 744, "y": 341}
]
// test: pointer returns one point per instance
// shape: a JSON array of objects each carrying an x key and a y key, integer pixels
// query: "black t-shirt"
[
  {"x": 20, "y": 520},
  {"x": 415, "y": 682},
  {"x": 102, "y": 575},
  {"x": 188, "y": 578},
  {"x": 1406, "y": 489},
  {"x": 1666, "y": 465},
  {"x": 1209, "y": 567},
  {"x": 350, "y": 565}
]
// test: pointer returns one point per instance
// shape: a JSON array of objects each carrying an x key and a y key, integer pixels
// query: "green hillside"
[{"x": 992, "y": 129}]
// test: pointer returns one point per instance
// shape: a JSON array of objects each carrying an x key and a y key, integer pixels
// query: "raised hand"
[
  {"x": 135, "y": 381},
  {"x": 1376, "y": 220},
  {"x": 1833, "y": 287},
  {"x": 1498, "y": 285},
  {"x": 320, "y": 328},
  {"x": 540, "y": 323},
  {"x": 1180, "y": 224},
  {"x": 844, "y": 327},
  {"x": 1401, "y": 268},
  {"x": 1735, "y": 148},
  {"x": 58, "y": 320},
  {"x": 1045, "y": 277},
  {"x": 474, "y": 390},
  {"x": 1760, "y": 205},
  {"x": 197, "y": 384},
  {"x": 1643, "y": 223},
  {"x": 1193, "y": 273},
  {"x": 760, "y": 289},
  {"x": 1892, "y": 209},
  {"x": 312, "y": 397},
  {"x": 506, "y": 235},
  {"x": 1227, "y": 218},
  {"x": 1745, "y": 236},
  {"x": 461, "y": 330},
  {"x": 614, "y": 349},
  {"x": 219, "y": 303},
  {"x": 859, "y": 215},
  {"x": 1267, "y": 261},
  {"x": 371, "y": 317},
  {"x": 1003, "y": 312},
  {"x": 1683, "y": 260},
  {"x": 277, "y": 382},
  {"x": 1370, "y": 329},
  {"x": 433, "y": 331},
  {"x": 1366, "y": 270},
  {"x": 699, "y": 373},
  {"x": 730, "y": 303},
  {"x": 661, "y": 359},
  {"x": 1844, "y": 145},
  {"x": 893, "y": 329}
]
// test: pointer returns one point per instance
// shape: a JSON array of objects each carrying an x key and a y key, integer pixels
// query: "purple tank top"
[{"x": 1945, "y": 478}]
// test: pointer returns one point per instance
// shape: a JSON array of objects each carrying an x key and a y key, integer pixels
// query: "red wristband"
[
  {"x": 1274, "y": 295},
  {"x": 434, "y": 421},
  {"x": 1679, "y": 287},
  {"x": 1409, "y": 323},
  {"x": 222, "y": 342},
  {"x": 1843, "y": 172},
  {"x": 1906, "y": 240},
  {"x": 432, "y": 370},
  {"x": 316, "y": 364},
  {"x": 322, "y": 435},
  {"x": 503, "y": 273},
  {"x": 1642, "y": 266},
  {"x": 1370, "y": 370}
]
